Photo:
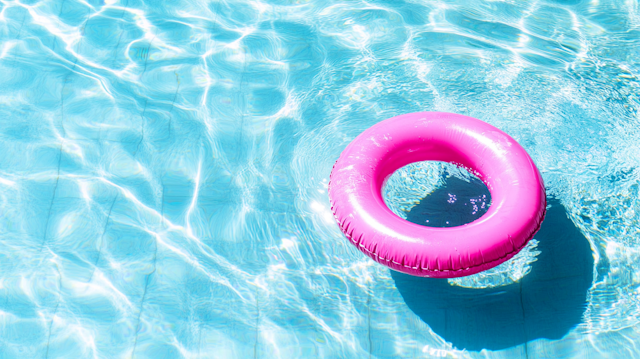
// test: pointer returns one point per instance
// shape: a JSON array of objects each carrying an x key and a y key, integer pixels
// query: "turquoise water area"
[{"x": 164, "y": 169}]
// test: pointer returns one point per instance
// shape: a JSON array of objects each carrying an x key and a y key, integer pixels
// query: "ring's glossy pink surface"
[{"x": 518, "y": 199}]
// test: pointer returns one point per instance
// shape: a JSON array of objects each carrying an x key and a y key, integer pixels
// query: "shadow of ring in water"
[{"x": 547, "y": 303}]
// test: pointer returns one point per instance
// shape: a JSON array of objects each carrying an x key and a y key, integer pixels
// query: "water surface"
[{"x": 164, "y": 168}]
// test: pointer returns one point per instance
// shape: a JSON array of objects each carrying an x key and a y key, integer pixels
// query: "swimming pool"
[{"x": 164, "y": 168}]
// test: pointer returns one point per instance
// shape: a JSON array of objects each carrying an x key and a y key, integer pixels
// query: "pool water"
[{"x": 164, "y": 169}]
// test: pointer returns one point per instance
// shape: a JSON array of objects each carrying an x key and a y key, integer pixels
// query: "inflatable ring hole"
[{"x": 436, "y": 194}]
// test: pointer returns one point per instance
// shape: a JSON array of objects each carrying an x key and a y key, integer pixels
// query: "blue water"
[{"x": 164, "y": 169}]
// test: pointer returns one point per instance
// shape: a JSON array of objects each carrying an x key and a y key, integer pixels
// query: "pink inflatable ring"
[{"x": 518, "y": 199}]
